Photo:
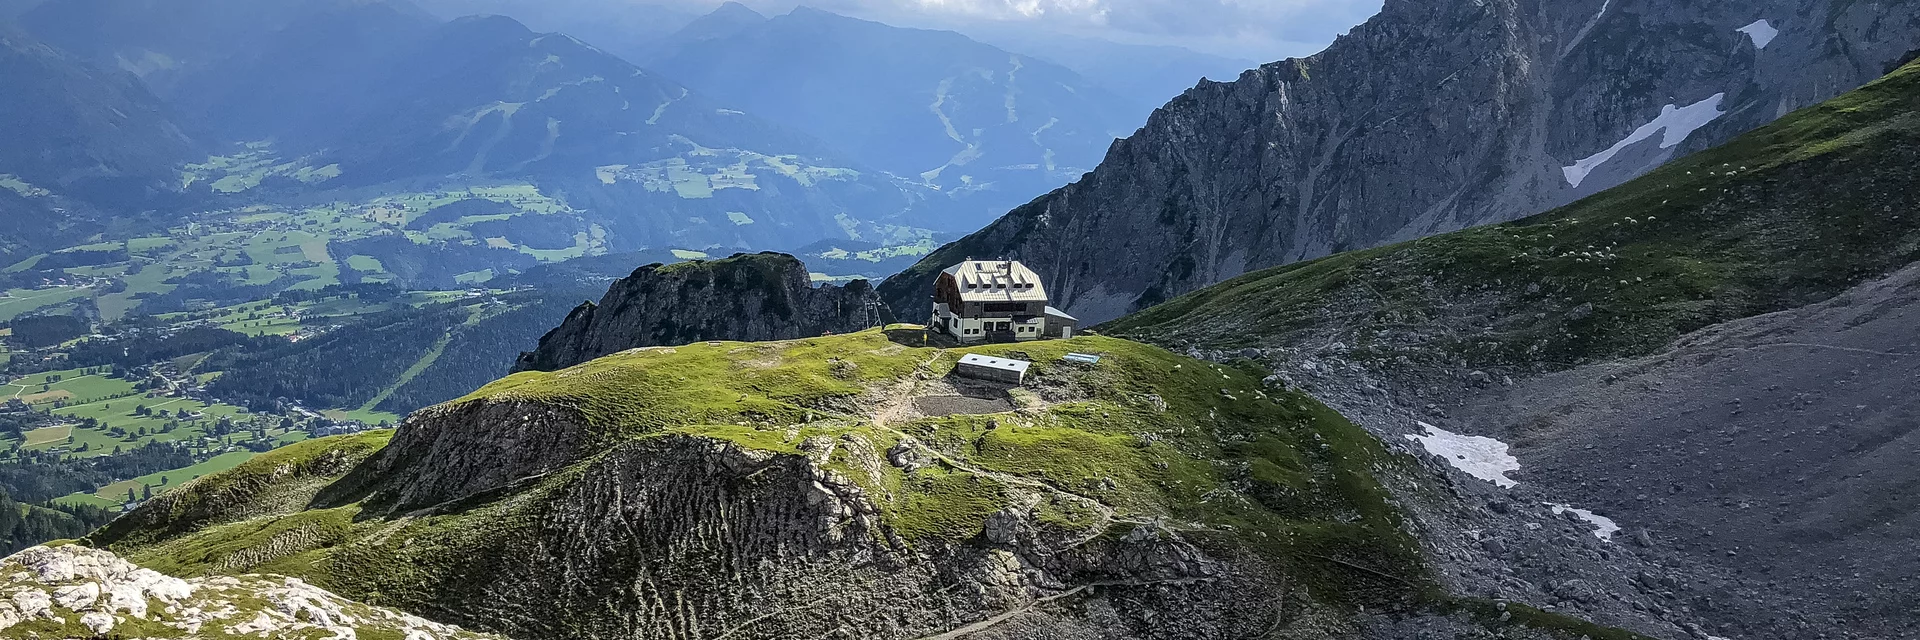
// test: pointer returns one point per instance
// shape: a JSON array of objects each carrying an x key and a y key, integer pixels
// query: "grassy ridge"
[
  {"x": 1789, "y": 214},
  {"x": 281, "y": 481},
  {"x": 1152, "y": 435},
  {"x": 1145, "y": 438}
]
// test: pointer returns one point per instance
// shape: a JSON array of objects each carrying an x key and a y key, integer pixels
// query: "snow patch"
[
  {"x": 1761, "y": 31},
  {"x": 1585, "y": 29},
  {"x": 1675, "y": 121},
  {"x": 1483, "y": 458},
  {"x": 1606, "y": 525}
]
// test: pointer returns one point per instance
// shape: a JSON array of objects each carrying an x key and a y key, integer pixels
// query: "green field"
[
  {"x": 282, "y": 247},
  {"x": 112, "y": 403},
  {"x": 48, "y": 435},
  {"x": 366, "y": 416},
  {"x": 117, "y": 492},
  {"x": 76, "y": 385},
  {"x": 266, "y": 318},
  {"x": 18, "y": 302}
]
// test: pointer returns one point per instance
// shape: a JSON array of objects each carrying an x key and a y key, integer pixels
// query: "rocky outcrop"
[
  {"x": 67, "y": 590},
  {"x": 1431, "y": 117},
  {"x": 682, "y": 536},
  {"x": 766, "y": 296},
  {"x": 447, "y": 453}
]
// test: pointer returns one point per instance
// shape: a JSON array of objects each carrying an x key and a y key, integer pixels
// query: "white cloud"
[
  {"x": 1088, "y": 10},
  {"x": 1263, "y": 30}
]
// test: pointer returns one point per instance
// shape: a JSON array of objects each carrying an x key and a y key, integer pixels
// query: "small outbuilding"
[
  {"x": 982, "y": 367},
  {"x": 1060, "y": 325}
]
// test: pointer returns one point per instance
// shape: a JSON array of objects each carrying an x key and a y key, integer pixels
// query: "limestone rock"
[
  {"x": 758, "y": 297},
  {"x": 259, "y": 605}
]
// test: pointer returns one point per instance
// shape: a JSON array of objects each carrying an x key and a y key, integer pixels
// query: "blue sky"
[{"x": 1261, "y": 30}]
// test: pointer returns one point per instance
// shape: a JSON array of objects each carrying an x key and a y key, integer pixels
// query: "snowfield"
[
  {"x": 1483, "y": 458},
  {"x": 1675, "y": 122}
]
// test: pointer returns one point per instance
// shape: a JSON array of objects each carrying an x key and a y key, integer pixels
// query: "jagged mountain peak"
[
  {"x": 728, "y": 19},
  {"x": 736, "y": 11},
  {"x": 1494, "y": 110}
]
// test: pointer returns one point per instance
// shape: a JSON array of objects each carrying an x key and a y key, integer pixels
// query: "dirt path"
[
  {"x": 895, "y": 409},
  {"x": 992, "y": 622}
]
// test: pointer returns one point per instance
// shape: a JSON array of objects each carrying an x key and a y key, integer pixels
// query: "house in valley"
[{"x": 981, "y": 301}]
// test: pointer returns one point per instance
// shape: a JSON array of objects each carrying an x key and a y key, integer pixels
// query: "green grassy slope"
[
  {"x": 1789, "y": 214},
  {"x": 1151, "y": 434},
  {"x": 281, "y": 480},
  {"x": 1145, "y": 436}
]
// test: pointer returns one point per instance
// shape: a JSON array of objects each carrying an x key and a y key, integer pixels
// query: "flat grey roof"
[{"x": 995, "y": 363}]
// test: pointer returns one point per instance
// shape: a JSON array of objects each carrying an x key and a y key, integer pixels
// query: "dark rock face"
[
  {"x": 1431, "y": 117},
  {"x": 755, "y": 298}
]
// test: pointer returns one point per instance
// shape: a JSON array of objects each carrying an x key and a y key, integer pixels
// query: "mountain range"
[
  {"x": 79, "y": 140},
  {"x": 343, "y": 94},
  {"x": 1507, "y": 319},
  {"x": 1152, "y": 494},
  {"x": 1492, "y": 111},
  {"x": 736, "y": 130},
  {"x": 1146, "y": 76},
  {"x": 83, "y": 130},
  {"x": 627, "y": 28},
  {"x": 985, "y": 128}
]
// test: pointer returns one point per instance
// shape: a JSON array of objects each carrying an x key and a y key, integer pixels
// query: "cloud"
[
  {"x": 1251, "y": 29},
  {"x": 1093, "y": 11}
]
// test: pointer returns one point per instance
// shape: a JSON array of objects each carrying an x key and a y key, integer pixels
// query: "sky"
[{"x": 1261, "y": 30}]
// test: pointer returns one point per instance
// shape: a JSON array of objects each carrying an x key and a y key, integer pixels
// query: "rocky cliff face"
[
  {"x": 1431, "y": 117},
  {"x": 767, "y": 296}
]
